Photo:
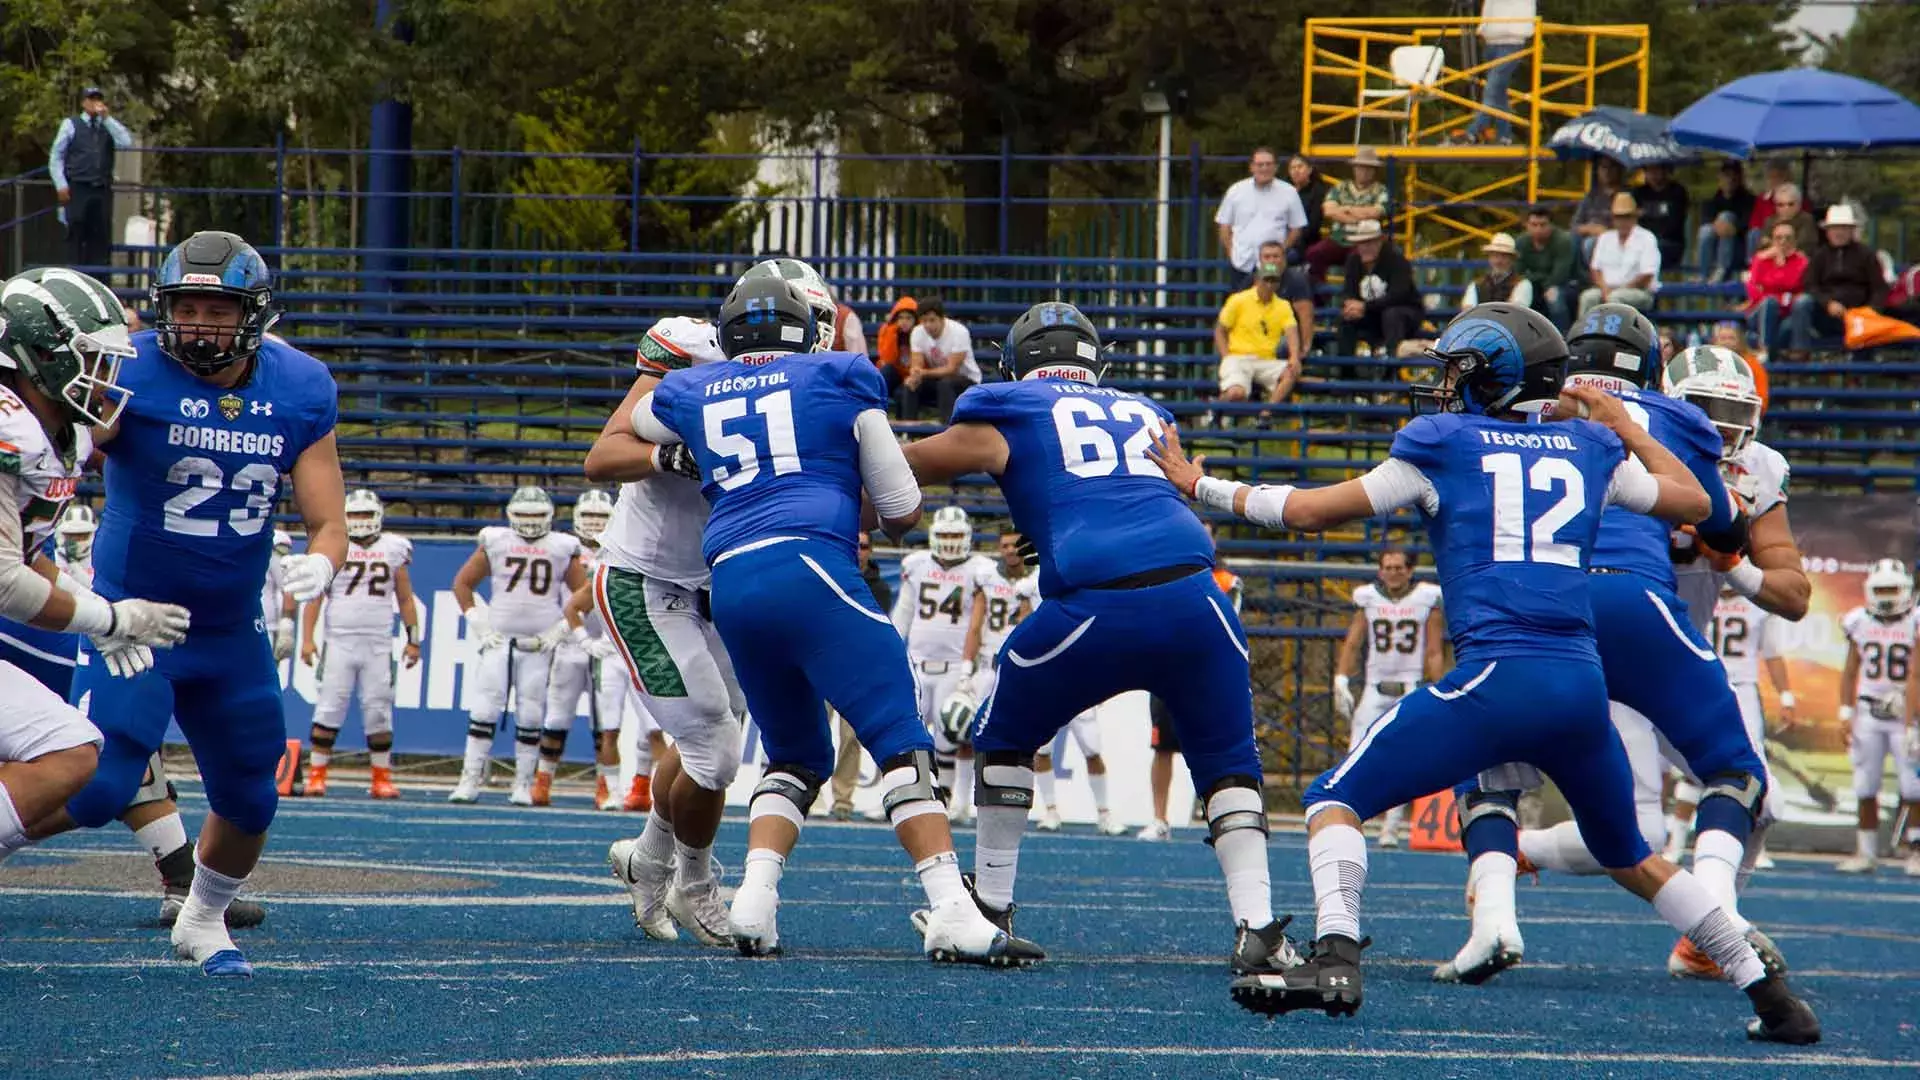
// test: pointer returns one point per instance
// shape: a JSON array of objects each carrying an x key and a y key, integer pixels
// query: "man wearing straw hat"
[
  {"x": 1625, "y": 266},
  {"x": 1350, "y": 203},
  {"x": 1500, "y": 283}
]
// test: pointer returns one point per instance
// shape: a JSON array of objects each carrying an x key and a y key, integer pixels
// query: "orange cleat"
[
  {"x": 640, "y": 796},
  {"x": 600, "y": 792},
  {"x": 1688, "y": 962},
  {"x": 316, "y": 781},
  {"x": 382, "y": 785},
  {"x": 543, "y": 789}
]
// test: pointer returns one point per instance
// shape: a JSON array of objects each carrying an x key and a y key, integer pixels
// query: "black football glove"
[
  {"x": 676, "y": 458},
  {"x": 1029, "y": 554}
]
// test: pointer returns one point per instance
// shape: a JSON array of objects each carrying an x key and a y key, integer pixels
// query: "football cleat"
[
  {"x": 542, "y": 794},
  {"x": 316, "y": 782},
  {"x": 1779, "y": 1016},
  {"x": 1912, "y": 866},
  {"x": 468, "y": 789},
  {"x": 1328, "y": 981},
  {"x": 1858, "y": 864},
  {"x": 1108, "y": 826},
  {"x": 1049, "y": 820},
  {"x": 960, "y": 814},
  {"x": 242, "y": 914},
  {"x": 961, "y": 932},
  {"x": 752, "y": 924},
  {"x": 1764, "y": 861},
  {"x": 1155, "y": 830},
  {"x": 701, "y": 912},
  {"x": 1688, "y": 961},
  {"x": 646, "y": 884},
  {"x": 1264, "y": 951},
  {"x": 1389, "y": 837},
  {"x": 603, "y": 796},
  {"x": 228, "y": 964},
  {"x": 522, "y": 793},
  {"x": 1019, "y": 952},
  {"x": 1481, "y": 959},
  {"x": 640, "y": 795},
  {"x": 381, "y": 786}
]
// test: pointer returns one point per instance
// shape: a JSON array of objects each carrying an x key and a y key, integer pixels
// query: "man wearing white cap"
[
  {"x": 1842, "y": 273},
  {"x": 1500, "y": 284}
]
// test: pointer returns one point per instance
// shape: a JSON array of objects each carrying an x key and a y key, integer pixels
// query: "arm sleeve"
[
  {"x": 57, "y": 157},
  {"x": 23, "y": 592},
  {"x": 1633, "y": 487},
  {"x": 1394, "y": 483},
  {"x": 648, "y": 425},
  {"x": 884, "y": 471},
  {"x": 122, "y": 138}
]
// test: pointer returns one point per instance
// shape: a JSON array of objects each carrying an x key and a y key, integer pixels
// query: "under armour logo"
[
  {"x": 261, "y": 408},
  {"x": 194, "y": 408},
  {"x": 1338, "y": 980}
]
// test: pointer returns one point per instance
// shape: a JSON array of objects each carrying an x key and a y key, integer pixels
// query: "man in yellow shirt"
[{"x": 1253, "y": 324}]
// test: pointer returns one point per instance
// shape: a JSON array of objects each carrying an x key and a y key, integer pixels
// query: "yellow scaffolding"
[{"x": 1350, "y": 82}]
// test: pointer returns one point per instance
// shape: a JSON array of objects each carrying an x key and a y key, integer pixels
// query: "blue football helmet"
[
  {"x": 221, "y": 264},
  {"x": 766, "y": 314},
  {"x": 1496, "y": 358}
]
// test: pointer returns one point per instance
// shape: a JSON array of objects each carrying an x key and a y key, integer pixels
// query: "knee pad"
[
  {"x": 381, "y": 740},
  {"x": 323, "y": 735},
  {"x": 155, "y": 787},
  {"x": 116, "y": 777},
  {"x": 785, "y": 791},
  {"x": 910, "y": 787},
  {"x": 481, "y": 729},
  {"x": 247, "y": 803},
  {"x": 526, "y": 735},
  {"x": 708, "y": 738},
  {"x": 558, "y": 720},
  {"x": 1235, "y": 803},
  {"x": 1744, "y": 788},
  {"x": 1004, "y": 779}
]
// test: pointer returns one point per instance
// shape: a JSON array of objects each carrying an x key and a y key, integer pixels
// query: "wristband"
[
  {"x": 1215, "y": 493},
  {"x": 1342, "y": 681},
  {"x": 1787, "y": 699},
  {"x": 1746, "y": 579},
  {"x": 653, "y": 458},
  {"x": 412, "y": 631},
  {"x": 1845, "y": 713},
  {"x": 93, "y": 615}
]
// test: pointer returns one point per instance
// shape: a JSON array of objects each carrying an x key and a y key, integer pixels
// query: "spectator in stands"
[
  {"x": 1594, "y": 216},
  {"x": 942, "y": 365},
  {"x": 1663, "y": 212},
  {"x": 1351, "y": 202},
  {"x": 1258, "y": 209},
  {"x": 1723, "y": 224},
  {"x": 1625, "y": 265},
  {"x": 1790, "y": 207},
  {"x": 1774, "y": 282},
  {"x": 1546, "y": 261},
  {"x": 891, "y": 343},
  {"x": 848, "y": 334},
  {"x": 1903, "y": 296},
  {"x": 81, "y": 166},
  {"x": 1842, "y": 273},
  {"x": 1502, "y": 282},
  {"x": 1312, "y": 189},
  {"x": 1379, "y": 302},
  {"x": 1253, "y": 326},
  {"x": 1775, "y": 174},
  {"x": 1502, "y": 43},
  {"x": 1295, "y": 289}
]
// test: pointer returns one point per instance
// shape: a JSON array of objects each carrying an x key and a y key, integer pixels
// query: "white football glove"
[
  {"x": 480, "y": 622},
  {"x": 1343, "y": 696},
  {"x": 602, "y": 649},
  {"x": 305, "y": 577},
  {"x": 146, "y": 622},
  {"x": 550, "y": 638},
  {"x": 283, "y": 640},
  {"x": 123, "y": 660}
]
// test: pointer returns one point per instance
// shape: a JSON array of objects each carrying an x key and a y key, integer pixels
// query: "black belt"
[{"x": 1147, "y": 579}]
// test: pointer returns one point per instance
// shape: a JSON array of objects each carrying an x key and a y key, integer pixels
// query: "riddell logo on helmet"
[{"x": 200, "y": 279}]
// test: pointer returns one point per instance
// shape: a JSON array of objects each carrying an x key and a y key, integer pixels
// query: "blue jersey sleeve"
[
  {"x": 1422, "y": 442},
  {"x": 864, "y": 381},
  {"x": 1698, "y": 445},
  {"x": 668, "y": 394},
  {"x": 982, "y": 404}
]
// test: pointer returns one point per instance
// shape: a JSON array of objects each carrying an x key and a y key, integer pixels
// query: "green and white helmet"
[
  {"x": 1720, "y": 383},
  {"x": 812, "y": 286},
  {"x": 66, "y": 334},
  {"x": 530, "y": 512}
]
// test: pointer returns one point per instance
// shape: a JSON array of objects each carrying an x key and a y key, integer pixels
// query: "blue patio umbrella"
[
  {"x": 1803, "y": 109},
  {"x": 1631, "y": 138}
]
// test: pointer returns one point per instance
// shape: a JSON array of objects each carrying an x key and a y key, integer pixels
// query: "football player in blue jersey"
[
  {"x": 1130, "y": 604},
  {"x": 784, "y": 440},
  {"x": 218, "y": 413},
  {"x": 1513, "y": 512}
]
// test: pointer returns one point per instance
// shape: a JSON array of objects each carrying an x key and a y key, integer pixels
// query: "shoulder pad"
[{"x": 1365, "y": 596}]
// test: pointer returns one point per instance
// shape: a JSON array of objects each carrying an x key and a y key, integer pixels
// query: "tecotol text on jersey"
[
  {"x": 1531, "y": 439},
  {"x": 739, "y": 383}
]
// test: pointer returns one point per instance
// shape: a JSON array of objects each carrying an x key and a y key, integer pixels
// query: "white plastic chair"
[{"x": 1414, "y": 68}]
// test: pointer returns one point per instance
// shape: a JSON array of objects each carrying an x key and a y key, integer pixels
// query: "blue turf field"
[{"x": 491, "y": 942}]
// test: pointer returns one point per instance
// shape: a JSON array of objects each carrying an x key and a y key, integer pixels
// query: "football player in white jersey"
[
  {"x": 1744, "y": 634},
  {"x": 73, "y": 547},
  {"x": 933, "y": 611},
  {"x": 1399, "y": 627},
  {"x": 573, "y": 674},
  {"x": 651, "y": 591},
  {"x": 532, "y": 571},
  {"x": 615, "y": 705},
  {"x": 360, "y": 605},
  {"x": 277, "y": 607},
  {"x": 1873, "y": 705}
]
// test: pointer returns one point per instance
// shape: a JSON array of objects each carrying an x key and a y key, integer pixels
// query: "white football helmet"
[
  {"x": 1889, "y": 589},
  {"x": 951, "y": 536},
  {"x": 365, "y": 514},
  {"x": 282, "y": 542},
  {"x": 812, "y": 286},
  {"x": 956, "y": 716},
  {"x": 76, "y": 530},
  {"x": 1719, "y": 381},
  {"x": 530, "y": 512},
  {"x": 592, "y": 512}
]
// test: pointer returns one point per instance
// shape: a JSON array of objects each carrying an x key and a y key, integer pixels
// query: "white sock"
[
  {"x": 1243, "y": 856},
  {"x": 1689, "y": 908},
  {"x": 1716, "y": 862},
  {"x": 1394, "y": 820},
  {"x": 1559, "y": 848},
  {"x": 643, "y": 756},
  {"x": 1867, "y": 843},
  {"x": 695, "y": 865},
  {"x": 1337, "y": 856},
  {"x": 1098, "y": 782},
  {"x": 996, "y": 853},
  {"x": 526, "y": 758},
  {"x": 548, "y": 765},
  {"x": 763, "y": 869},
  {"x": 202, "y": 924},
  {"x": 478, "y": 750},
  {"x": 1046, "y": 787},
  {"x": 380, "y": 759},
  {"x": 162, "y": 838},
  {"x": 319, "y": 758},
  {"x": 609, "y": 774},
  {"x": 1490, "y": 880},
  {"x": 963, "y": 781},
  {"x": 656, "y": 843},
  {"x": 940, "y": 876},
  {"x": 13, "y": 833}
]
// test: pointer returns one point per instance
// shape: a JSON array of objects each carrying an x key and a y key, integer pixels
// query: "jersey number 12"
[{"x": 1511, "y": 529}]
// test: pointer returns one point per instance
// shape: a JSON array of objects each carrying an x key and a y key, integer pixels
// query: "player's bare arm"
[
  {"x": 618, "y": 455},
  {"x": 471, "y": 573},
  {"x": 320, "y": 495},
  {"x": 576, "y": 576},
  {"x": 957, "y": 451},
  {"x": 1777, "y": 674},
  {"x": 1850, "y": 690},
  {"x": 409, "y": 618},
  {"x": 309, "y": 636},
  {"x": 576, "y": 608},
  {"x": 1283, "y": 506},
  {"x": 1347, "y": 665},
  {"x": 1782, "y": 586},
  {"x": 976, "y": 622},
  {"x": 1435, "y": 663},
  {"x": 1682, "y": 500}
]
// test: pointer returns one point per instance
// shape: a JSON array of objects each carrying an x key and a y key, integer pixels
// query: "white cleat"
[
  {"x": 1481, "y": 959},
  {"x": 1764, "y": 862},
  {"x": 1859, "y": 864},
  {"x": 960, "y": 814},
  {"x": 522, "y": 794},
  {"x": 958, "y": 933},
  {"x": 1110, "y": 827},
  {"x": 1912, "y": 865},
  {"x": 647, "y": 884},
  {"x": 468, "y": 789},
  {"x": 1155, "y": 830},
  {"x": 751, "y": 922},
  {"x": 1389, "y": 837},
  {"x": 701, "y": 912},
  {"x": 1049, "y": 820}
]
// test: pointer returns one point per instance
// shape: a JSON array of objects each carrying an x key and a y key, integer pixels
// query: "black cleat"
[
  {"x": 1779, "y": 1016},
  {"x": 242, "y": 914},
  {"x": 1328, "y": 981},
  {"x": 1265, "y": 951}
]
